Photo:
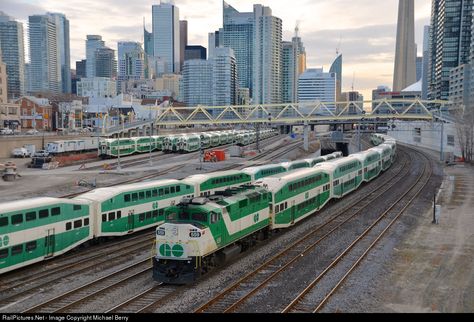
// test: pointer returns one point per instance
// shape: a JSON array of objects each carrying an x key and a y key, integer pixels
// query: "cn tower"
[{"x": 405, "y": 56}]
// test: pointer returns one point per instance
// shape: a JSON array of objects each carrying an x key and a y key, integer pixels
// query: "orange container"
[{"x": 220, "y": 155}]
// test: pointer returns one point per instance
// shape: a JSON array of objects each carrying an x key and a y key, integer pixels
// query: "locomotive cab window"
[{"x": 214, "y": 217}]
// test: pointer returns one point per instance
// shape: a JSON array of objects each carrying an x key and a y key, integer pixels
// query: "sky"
[{"x": 364, "y": 31}]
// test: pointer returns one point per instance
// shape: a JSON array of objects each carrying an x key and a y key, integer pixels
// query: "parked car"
[
  {"x": 32, "y": 132},
  {"x": 20, "y": 153},
  {"x": 41, "y": 154},
  {"x": 6, "y": 131}
]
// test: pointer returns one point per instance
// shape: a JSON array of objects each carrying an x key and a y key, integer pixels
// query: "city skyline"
[{"x": 367, "y": 42}]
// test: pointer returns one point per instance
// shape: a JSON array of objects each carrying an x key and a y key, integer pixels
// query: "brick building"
[{"x": 35, "y": 113}]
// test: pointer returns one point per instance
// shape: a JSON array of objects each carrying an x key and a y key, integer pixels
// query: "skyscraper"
[
  {"x": 81, "y": 68},
  {"x": 12, "y": 48},
  {"x": 224, "y": 80},
  {"x": 289, "y": 72},
  {"x": 426, "y": 58},
  {"x": 166, "y": 35},
  {"x": 148, "y": 38},
  {"x": 316, "y": 85},
  {"x": 267, "y": 57},
  {"x": 450, "y": 42},
  {"x": 3, "y": 82},
  {"x": 45, "y": 62},
  {"x": 214, "y": 40},
  {"x": 197, "y": 82},
  {"x": 130, "y": 63},
  {"x": 183, "y": 40},
  {"x": 93, "y": 42},
  {"x": 62, "y": 36},
  {"x": 238, "y": 34},
  {"x": 105, "y": 63},
  {"x": 336, "y": 68},
  {"x": 293, "y": 65},
  {"x": 405, "y": 70}
]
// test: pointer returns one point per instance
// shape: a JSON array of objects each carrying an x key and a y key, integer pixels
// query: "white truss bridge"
[{"x": 301, "y": 113}]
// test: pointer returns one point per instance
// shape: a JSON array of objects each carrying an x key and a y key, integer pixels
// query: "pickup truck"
[{"x": 20, "y": 153}]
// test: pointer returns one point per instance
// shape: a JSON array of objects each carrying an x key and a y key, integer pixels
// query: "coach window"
[
  {"x": 17, "y": 219},
  {"x": 178, "y": 189},
  {"x": 18, "y": 249},
  {"x": 68, "y": 226},
  {"x": 76, "y": 207},
  {"x": 43, "y": 213},
  {"x": 111, "y": 216},
  {"x": 173, "y": 190},
  {"x": 3, "y": 253},
  {"x": 160, "y": 192},
  {"x": 126, "y": 198},
  {"x": 119, "y": 214},
  {"x": 277, "y": 209},
  {"x": 167, "y": 191},
  {"x": 148, "y": 215},
  {"x": 77, "y": 224},
  {"x": 104, "y": 217},
  {"x": 31, "y": 246},
  {"x": 86, "y": 222},
  {"x": 155, "y": 193},
  {"x": 141, "y": 195},
  {"x": 141, "y": 217},
  {"x": 30, "y": 216},
  {"x": 148, "y": 194},
  {"x": 55, "y": 211},
  {"x": 155, "y": 213},
  {"x": 134, "y": 196},
  {"x": 3, "y": 221}
]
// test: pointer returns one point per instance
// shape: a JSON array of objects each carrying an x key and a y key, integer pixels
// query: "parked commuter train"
[{"x": 178, "y": 143}]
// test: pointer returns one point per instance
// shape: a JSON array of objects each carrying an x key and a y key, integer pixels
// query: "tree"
[{"x": 465, "y": 131}]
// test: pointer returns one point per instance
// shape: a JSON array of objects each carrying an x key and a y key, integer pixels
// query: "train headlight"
[{"x": 160, "y": 232}]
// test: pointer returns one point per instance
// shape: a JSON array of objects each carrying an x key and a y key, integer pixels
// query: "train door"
[
  {"x": 49, "y": 242},
  {"x": 131, "y": 221},
  {"x": 293, "y": 210}
]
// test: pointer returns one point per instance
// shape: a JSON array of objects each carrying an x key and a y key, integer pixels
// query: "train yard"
[{"x": 316, "y": 266}]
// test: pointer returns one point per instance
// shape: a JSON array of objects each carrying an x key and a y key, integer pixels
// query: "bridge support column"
[{"x": 306, "y": 136}]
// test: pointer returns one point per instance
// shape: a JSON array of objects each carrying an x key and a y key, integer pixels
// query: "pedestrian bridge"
[{"x": 302, "y": 113}]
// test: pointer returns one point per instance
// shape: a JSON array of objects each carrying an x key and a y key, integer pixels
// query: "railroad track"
[
  {"x": 72, "y": 270},
  {"x": 66, "y": 263},
  {"x": 86, "y": 292},
  {"x": 241, "y": 291},
  {"x": 140, "y": 179},
  {"x": 85, "y": 264},
  {"x": 145, "y": 301},
  {"x": 353, "y": 255}
]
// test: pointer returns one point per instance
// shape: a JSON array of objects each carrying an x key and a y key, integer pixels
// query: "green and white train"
[
  {"x": 202, "y": 232},
  {"x": 182, "y": 143},
  {"x": 33, "y": 230}
]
